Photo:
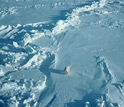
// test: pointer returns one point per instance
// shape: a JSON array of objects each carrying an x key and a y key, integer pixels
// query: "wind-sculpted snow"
[
  {"x": 73, "y": 18},
  {"x": 23, "y": 90},
  {"x": 7, "y": 11},
  {"x": 22, "y": 57},
  {"x": 2, "y": 72},
  {"x": 94, "y": 100},
  {"x": 17, "y": 52},
  {"x": 33, "y": 55},
  {"x": 120, "y": 87},
  {"x": 22, "y": 35},
  {"x": 104, "y": 68}
]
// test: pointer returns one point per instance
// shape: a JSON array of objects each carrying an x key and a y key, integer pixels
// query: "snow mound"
[
  {"x": 99, "y": 100},
  {"x": 22, "y": 88},
  {"x": 73, "y": 18},
  {"x": 93, "y": 100},
  {"x": 7, "y": 11},
  {"x": 21, "y": 57},
  {"x": 103, "y": 65}
]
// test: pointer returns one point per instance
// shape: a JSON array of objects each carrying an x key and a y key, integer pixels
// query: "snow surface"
[{"x": 39, "y": 38}]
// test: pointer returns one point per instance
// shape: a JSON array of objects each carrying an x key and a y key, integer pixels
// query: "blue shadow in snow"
[
  {"x": 92, "y": 99},
  {"x": 57, "y": 71},
  {"x": 51, "y": 101}
]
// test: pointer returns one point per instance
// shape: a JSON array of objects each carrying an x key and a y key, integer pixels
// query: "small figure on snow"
[{"x": 67, "y": 69}]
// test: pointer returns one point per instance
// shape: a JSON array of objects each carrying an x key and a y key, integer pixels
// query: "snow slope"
[{"x": 38, "y": 39}]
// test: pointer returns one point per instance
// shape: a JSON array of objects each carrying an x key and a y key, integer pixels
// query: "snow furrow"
[{"x": 101, "y": 62}]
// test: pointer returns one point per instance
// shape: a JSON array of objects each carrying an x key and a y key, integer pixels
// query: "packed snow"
[{"x": 59, "y": 53}]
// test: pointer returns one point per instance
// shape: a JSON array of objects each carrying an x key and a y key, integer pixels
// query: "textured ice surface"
[
  {"x": 39, "y": 38},
  {"x": 22, "y": 88}
]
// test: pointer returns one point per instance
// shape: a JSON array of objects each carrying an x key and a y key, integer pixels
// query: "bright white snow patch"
[
  {"x": 1, "y": 72},
  {"x": 15, "y": 44}
]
